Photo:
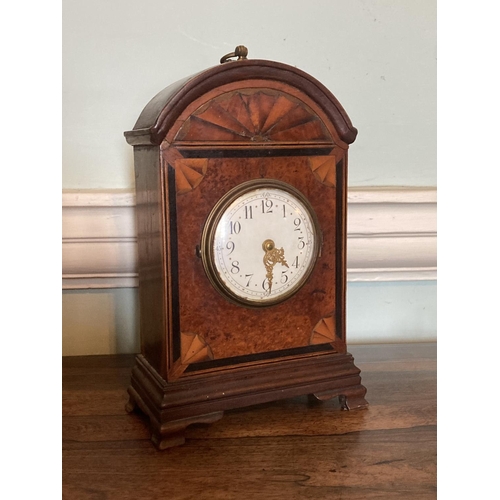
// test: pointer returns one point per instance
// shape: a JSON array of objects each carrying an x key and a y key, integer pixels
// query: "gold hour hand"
[{"x": 272, "y": 257}]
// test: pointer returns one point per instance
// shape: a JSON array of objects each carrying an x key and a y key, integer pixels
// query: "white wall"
[{"x": 378, "y": 57}]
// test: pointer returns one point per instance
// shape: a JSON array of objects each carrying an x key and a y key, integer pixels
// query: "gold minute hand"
[{"x": 272, "y": 256}]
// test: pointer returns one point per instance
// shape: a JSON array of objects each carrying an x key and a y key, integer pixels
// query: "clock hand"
[{"x": 272, "y": 257}]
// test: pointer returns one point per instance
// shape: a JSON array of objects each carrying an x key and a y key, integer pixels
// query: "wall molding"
[{"x": 392, "y": 235}]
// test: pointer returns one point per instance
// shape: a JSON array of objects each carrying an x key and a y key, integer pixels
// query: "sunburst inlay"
[
  {"x": 189, "y": 172},
  {"x": 323, "y": 332},
  {"x": 324, "y": 169},
  {"x": 258, "y": 116}
]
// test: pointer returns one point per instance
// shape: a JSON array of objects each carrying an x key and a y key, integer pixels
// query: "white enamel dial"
[{"x": 261, "y": 243}]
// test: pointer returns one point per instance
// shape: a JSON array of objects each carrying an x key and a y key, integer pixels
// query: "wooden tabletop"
[{"x": 291, "y": 449}]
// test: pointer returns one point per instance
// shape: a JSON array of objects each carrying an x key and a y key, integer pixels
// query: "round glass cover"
[{"x": 260, "y": 243}]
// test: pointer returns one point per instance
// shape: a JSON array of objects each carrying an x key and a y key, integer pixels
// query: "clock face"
[{"x": 260, "y": 243}]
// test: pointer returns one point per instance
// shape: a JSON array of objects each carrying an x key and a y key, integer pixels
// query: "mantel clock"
[{"x": 241, "y": 188}]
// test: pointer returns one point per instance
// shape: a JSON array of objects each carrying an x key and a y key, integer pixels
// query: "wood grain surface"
[
  {"x": 290, "y": 449},
  {"x": 229, "y": 329}
]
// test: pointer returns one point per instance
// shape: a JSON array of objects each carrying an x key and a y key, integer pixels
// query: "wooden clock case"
[{"x": 193, "y": 142}]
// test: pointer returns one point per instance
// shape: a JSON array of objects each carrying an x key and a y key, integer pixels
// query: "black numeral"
[
  {"x": 297, "y": 222},
  {"x": 296, "y": 262},
  {"x": 234, "y": 227},
  {"x": 248, "y": 212},
  {"x": 301, "y": 242},
  {"x": 284, "y": 277},
  {"x": 249, "y": 276},
  {"x": 267, "y": 207},
  {"x": 235, "y": 267},
  {"x": 230, "y": 246}
]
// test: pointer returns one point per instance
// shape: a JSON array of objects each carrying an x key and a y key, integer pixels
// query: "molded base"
[
  {"x": 203, "y": 397},
  {"x": 170, "y": 433}
]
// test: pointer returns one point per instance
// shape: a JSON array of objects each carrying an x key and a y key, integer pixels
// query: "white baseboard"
[{"x": 392, "y": 234}]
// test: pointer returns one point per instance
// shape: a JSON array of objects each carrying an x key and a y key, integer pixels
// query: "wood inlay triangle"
[
  {"x": 312, "y": 128},
  {"x": 282, "y": 106},
  {"x": 217, "y": 115},
  {"x": 194, "y": 349},
  {"x": 324, "y": 169},
  {"x": 189, "y": 172},
  {"x": 323, "y": 332},
  {"x": 259, "y": 106},
  {"x": 237, "y": 107},
  {"x": 295, "y": 116}
]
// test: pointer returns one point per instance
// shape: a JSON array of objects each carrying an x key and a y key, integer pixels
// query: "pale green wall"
[
  {"x": 106, "y": 321},
  {"x": 100, "y": 321},
  {"x": 403, "y": 311},
  {"x": 378, "y": 57}
]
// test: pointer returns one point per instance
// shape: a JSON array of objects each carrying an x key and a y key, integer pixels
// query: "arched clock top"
[{"x": 162, "y": 112}]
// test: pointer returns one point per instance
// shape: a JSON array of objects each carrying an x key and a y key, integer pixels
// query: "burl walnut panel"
[{"x": 232, "y": 330}]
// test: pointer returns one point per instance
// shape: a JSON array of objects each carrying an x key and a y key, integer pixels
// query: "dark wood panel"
[
  {"x": 293, "y": 449},
  {"x": 150, "y": 222}
]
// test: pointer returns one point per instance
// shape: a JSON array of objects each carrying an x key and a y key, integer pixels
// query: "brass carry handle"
[{"x": 240, "y": 52}]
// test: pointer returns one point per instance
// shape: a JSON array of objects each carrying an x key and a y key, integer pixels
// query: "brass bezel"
[{"x": 208, "y": 235}]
